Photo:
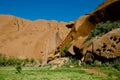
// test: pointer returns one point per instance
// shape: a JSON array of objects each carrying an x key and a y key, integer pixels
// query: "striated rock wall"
[{"x": 30, "y": 39}]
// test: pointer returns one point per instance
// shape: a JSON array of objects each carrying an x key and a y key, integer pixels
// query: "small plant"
[
  {"x": 64, "y": 51},
  {"x": 32, "y": 61},
  {"x": 85, "y": 65},
  {"x": 116, "y": 64},
  {"x": 72, "y": 62},
  {"x": 18, "y": 68},
  {"x": 25, "y": 61},
  {"x": 106, "y": 64}
]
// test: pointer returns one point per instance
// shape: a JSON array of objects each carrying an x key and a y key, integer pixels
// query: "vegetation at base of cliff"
[
  {"x": 64, "y": 51},
  {"x": 73, "y": 62},
  {"x": 12, "y": 61},
  {"x": 114, "y": 64},
  {"x": 69, "y": 71},
  {"x": 103, "y": 28},
  {"x": 111, "y": 64},
  {"x": 18, "y": 68}
]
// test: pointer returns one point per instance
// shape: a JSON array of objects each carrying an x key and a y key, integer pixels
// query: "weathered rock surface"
[
  {"x": 108, "y": 10},
  {"x": 30, "y": 39},
  {"x": 58, "y": 62},
  {"x": 106, "y": 47}
]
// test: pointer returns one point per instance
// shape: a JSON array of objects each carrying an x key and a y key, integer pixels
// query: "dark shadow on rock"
[{"x": 78, "y": 55}]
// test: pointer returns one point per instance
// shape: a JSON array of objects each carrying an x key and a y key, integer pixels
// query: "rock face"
[
  {"x": 30, "y": 39},
  {"x": 106, "y": 47},
  {"x": 42, "y": 39},
  {"x": 108, "y": 10}
]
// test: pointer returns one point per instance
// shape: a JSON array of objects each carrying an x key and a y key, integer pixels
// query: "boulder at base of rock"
[
  {"x": 104, "y": 48},
  {"x": 58, "y": 62}
]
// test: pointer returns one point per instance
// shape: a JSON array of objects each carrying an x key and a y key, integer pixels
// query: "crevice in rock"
[
  {"x": 98, "y": 50},
  {"x": 111, "y": 51},
  {"x": 77, "y": 55},
  {"x": 104, "y": 49},
  {"x": 69, "y": 25},
  {"x": 114, "y": 39},
  {"x": 113, "y": 45},
  {"x": 104, "y": 45},
  {"x": 111, "y": 37},
  {"x": 118, "y": 41}
]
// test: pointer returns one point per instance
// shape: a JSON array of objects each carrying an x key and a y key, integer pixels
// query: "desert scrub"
[
  {"x": 73, "y": 62},
  {"x": 9, "y": 61},
  {"x": 102, "y": 28}
]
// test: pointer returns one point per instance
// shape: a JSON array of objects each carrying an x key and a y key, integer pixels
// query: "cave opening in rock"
[{"x": 113, "y": 12}]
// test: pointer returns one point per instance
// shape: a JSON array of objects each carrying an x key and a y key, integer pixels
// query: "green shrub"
[
  {"x": 32, "y": 61},
  {"x": 116, "y": 64},
  {"x": 107, "y": 64},
  {"x": 3, "y": 60},
  {"x": 102, "y": 28},
  {"x": 26, "y": 61},
  {"x": 72, "y": 62},
  {"x": 18, "y": 68},
  {"x": 64, "y": 51},
  {"x": 63, "y": 54},
  {"x": 10, "y": 61}
]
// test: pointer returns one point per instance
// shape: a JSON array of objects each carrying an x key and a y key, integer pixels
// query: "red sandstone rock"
[
  {"x": 30, "y": 39},
  {"x": 102, "y": 48}
]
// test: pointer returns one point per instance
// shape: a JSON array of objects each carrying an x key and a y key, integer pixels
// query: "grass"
[
  {"x": 110, "y": 71},
  {"x": 45, "y": 73}
]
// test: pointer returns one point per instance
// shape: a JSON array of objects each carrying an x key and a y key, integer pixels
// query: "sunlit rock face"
[
  {"x": 30, "y": 39},
  {"x": 107, "y": 11}
]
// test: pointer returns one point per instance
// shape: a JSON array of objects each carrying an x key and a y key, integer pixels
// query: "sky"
[{"x": 60, "y": 10}]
